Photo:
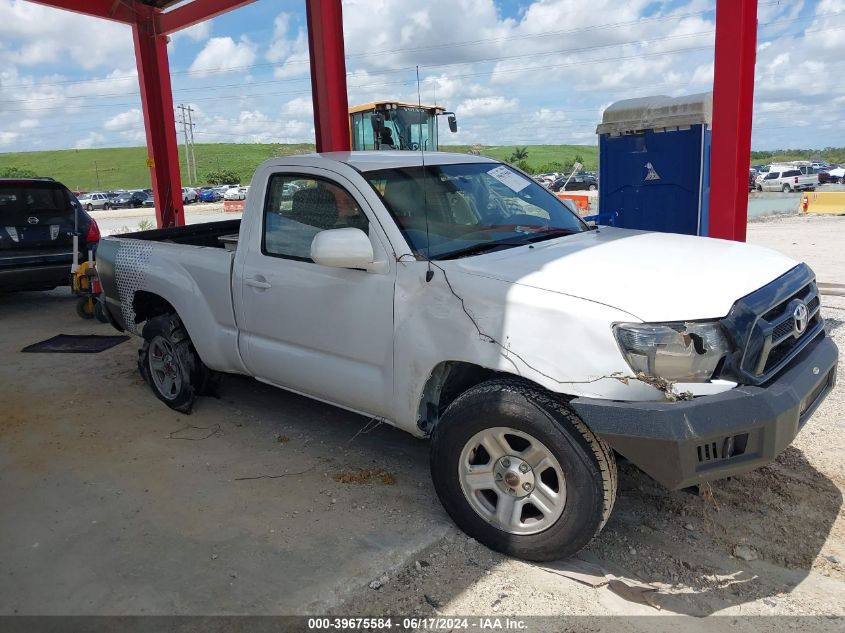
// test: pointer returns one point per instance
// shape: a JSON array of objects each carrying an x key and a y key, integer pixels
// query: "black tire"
[
  {"x": 85, "y": 307},
  {"x": 759, "y": 187},
  {"x": 106, "y": 206},
  {"x": 588, "y": 466},
  {"x": 89, "y": 207},
  {"x": 592, "y": 188},
  {"x": 100, "y": 312},
  {"x": 786, "y": 189},
  {"x": 193, "y": 374}
]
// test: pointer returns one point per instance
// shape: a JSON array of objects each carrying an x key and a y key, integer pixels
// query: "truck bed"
[{"x": 206, "y": 234}]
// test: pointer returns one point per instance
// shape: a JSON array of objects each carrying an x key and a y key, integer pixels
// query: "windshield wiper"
[
  {"x": 548, "y": 234},
  {"x": 527, "y": 238},
  {"x": 483, "y": 247}
]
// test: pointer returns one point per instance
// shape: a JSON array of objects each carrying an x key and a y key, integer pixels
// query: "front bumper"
[{"x": 685, "y": 443}]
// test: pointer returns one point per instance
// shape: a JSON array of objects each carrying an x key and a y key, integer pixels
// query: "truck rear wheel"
[
  {"x": 169, "y": 363},
  {"x": 520, "y": 472}
]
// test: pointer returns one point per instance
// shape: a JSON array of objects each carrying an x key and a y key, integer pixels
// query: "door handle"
[{"x": 258, "y": 282}]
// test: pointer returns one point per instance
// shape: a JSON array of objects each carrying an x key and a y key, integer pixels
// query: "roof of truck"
[{"x": 391, "y": 159}]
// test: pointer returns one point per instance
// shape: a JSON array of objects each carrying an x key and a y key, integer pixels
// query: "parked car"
[
  {"x": 839, "y": 173},
  {"x": 129, "y": 200},
  {"x": 503, "y": 329},
  {"x": 787, "y": 180},
  {"x": 37, "y": 222},
  {"x": 752, "y": 179},
  {"x": 96, "y": 200},
  {"x": 578, "y": 182},
  {"x": 236, "y": 193},
  {"x": 826, "y": 178},
  {"x": 189, "y": 195},
  {"x": 150, "y": 201},
  {"x": 209, "y": 194}
]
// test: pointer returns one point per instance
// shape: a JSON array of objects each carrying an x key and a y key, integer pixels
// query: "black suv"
[
  {"x": 129, "y": 200},
  {"x": 36, "y": 233}
]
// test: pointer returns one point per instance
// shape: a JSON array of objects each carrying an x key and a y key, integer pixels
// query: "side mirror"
[
  {"x": 453, "y": 123},
  {"x": 345, "y": 248}
]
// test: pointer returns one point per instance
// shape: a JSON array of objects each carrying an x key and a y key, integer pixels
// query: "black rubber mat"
[{"x": 75, "y": 344}]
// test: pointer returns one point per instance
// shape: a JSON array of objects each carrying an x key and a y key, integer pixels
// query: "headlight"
[{"x": 682, "y": 352}]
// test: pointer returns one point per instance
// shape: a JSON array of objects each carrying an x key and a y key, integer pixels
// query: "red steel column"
[
  {"x": 733, "y": 102},
  {"x": 160, "y": 123},
  {"x": 328, "y": 75}
]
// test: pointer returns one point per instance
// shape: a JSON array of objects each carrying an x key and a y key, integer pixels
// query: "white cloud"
[
  {"x": 199, "y": 32},
  {"x": 222, "y": 55},
  {"x": 125, "y": 121},
  {"x": 33, "y": 34},
  {"x": 90, "y": 140},
  {"x": 7, "y": 138},
  {"x": 486, "y": 107}
]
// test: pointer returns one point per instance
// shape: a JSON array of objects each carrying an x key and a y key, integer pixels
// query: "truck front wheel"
[
  {"x": 520, "y": 472},
  {"x": 169, "y": 363}
]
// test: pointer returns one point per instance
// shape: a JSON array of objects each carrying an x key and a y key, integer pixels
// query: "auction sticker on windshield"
[{"x": 509, "y": 179}]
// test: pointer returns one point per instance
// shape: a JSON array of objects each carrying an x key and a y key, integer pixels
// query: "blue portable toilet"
[{"x": 654, "y": 163}]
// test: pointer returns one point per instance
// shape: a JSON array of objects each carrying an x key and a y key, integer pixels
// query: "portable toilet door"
[{"x": 654, "y": 164}]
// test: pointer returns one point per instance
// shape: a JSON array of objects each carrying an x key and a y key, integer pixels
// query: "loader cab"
[{"x": 385, "y": 125}]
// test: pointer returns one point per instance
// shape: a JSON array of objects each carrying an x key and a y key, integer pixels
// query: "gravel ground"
[{"x": 769, "y": 543}]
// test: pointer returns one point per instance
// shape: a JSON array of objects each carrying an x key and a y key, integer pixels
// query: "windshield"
[
  {"x": 405, "y": 128},
  {"x": 460, "y": 210}
]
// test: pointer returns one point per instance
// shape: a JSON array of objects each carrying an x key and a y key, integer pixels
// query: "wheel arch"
[
  {"x": 148, "y": 305},
  {"x": 447, "y": 381}
]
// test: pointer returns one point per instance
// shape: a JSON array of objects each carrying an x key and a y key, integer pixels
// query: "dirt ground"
[
  {"x": 263, "y": 502},
  {"x": 788, "y": 517}
]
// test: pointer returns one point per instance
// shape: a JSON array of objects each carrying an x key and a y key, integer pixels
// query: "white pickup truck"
[
  {"x": 786, "y": 179},
  {"x": 462, "y": 301}
]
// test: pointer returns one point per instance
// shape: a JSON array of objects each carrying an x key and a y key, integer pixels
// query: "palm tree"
[{"x": 520, "y": 153}]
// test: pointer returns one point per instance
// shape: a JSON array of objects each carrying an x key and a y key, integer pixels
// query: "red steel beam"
[
  {"x": 328, "y": 75},
  {"x": 733, "y": 104},
  {"x": 159, "y": 121},
  {"x": 108, "y": 9},
  {"x": 192, "y": 13}
]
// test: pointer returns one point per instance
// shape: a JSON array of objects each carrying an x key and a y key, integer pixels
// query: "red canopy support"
[
  {"x": 328, "y": 75},
  {"x": 733, "y": 103},
  {"x": 194, "y": 12},
  {"x": 160, "y": 124}
]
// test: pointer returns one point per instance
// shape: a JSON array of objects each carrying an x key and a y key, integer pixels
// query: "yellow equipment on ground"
[{"x": 85, "y": 284}]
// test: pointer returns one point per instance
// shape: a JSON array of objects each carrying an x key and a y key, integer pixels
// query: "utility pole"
[
  {"x": 184, "y": 121},
  {"x": 97, "y": 171},
  {"x": 193, "y": 154}
]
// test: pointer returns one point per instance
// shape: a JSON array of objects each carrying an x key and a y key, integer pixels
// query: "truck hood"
[{"x": 652, "y": 276}]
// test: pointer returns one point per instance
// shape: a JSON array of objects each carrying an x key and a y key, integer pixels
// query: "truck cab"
[{"x": 393, "y": 125}]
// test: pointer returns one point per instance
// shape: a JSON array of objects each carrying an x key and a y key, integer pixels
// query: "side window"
[
  {"x": 298, "y": 207},
  {"x": 771, "y": 175}
]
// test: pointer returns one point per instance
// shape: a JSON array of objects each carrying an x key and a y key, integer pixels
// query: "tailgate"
[{"x": 35, "y": 216}]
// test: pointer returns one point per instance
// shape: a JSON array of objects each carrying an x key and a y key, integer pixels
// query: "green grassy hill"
[{"x": 125, "y": 167}]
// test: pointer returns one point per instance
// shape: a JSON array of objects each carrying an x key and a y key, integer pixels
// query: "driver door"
[{"x": 322, "y": 331}]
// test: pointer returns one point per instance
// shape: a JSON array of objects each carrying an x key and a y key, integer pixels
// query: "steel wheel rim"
[
  {"x": 512, "y": 480},
  {"x": 165, "y": 368}
]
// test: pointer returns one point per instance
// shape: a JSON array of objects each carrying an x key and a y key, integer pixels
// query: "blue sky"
[{"x": 514, "y": 72}]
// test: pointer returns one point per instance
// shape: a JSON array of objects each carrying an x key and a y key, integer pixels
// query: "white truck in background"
[
  {"x": 788, "y": 178},
  {"x": 459, "y": 300}
]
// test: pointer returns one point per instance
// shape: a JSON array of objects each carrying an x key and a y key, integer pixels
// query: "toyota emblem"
[
  {"x": 801, "y": 317},
  {"x": 32, "y": 219}
]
